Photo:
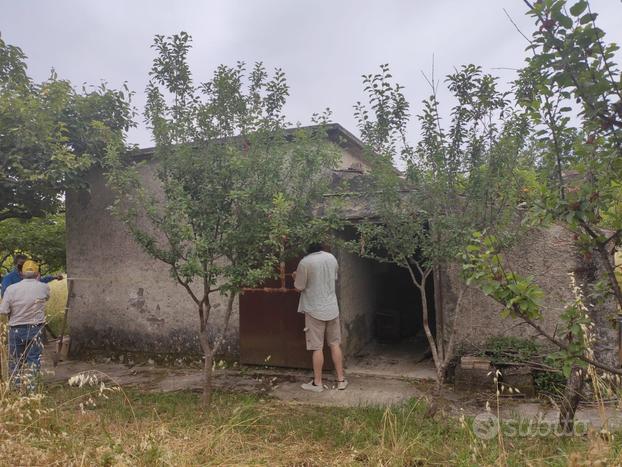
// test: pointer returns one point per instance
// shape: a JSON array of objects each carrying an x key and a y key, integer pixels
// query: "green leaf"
[
  {"x": 588, "y": 18},
  {"x": 488, "y": 289},
  {"x": 578, "y": 8},
  {"x": 565, "y": 21}
]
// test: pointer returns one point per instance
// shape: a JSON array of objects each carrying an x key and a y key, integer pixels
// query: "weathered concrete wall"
[
  {"x": 351, "y": 161},
  {"x": 357, "y": 293},
  {"x": 122, "y": 299},
  {"x": 546, "y": 254},
  {"x": 602, "y": 314}
]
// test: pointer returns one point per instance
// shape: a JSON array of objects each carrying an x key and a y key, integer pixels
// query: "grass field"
[
  {"x": 56, "y": 305},
  {"x": 106, "y": 425},
  {"x": 103, "y": 427}
]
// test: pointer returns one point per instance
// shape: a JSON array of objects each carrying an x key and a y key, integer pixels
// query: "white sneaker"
[
  {"x": 311, "y": 386},
  {"x": 341, "y": 385}
]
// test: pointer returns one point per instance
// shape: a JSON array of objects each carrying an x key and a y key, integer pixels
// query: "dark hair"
[
  {"x": 16, "y": 258},
  {"x": 314, "y": 248}
]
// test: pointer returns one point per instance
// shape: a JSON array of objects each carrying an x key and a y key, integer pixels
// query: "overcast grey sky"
[{"x": 323, "y": 46}]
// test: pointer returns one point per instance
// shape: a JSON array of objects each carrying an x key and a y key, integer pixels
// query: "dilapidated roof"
[
  {"x": 350, "y": 186},
  {"x": 349, "y": 193},
  {"x": 336, "y": 133}
]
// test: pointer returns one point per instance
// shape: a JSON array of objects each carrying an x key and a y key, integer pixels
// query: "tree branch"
[
  {"x": 185, "y": 285},
  {"x": 614, "y": 84},
  {"x": 613, "y": 236},
  {"x": 606, "y": 259},
  {"x": 563, "y": 345}
]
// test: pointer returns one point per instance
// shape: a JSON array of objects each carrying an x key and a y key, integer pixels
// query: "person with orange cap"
[{"x": 24, "y": 303}]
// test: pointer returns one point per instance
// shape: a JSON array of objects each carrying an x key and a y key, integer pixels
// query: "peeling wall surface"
[
  {"x": 123, "y": 300},
  {"x": 549, "y": 256}
]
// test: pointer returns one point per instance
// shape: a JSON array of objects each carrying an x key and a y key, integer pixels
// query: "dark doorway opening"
[
  {"x": 399, "y": 314},
  {"x": 394, "y": 341}
]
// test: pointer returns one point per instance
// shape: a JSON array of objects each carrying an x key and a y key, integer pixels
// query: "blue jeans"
[{"x": 25, "y": 347}]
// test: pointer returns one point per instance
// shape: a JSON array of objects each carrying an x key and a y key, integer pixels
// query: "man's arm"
[
  {"x": 46, "y": 279},
  {"x": 300, "y": 277},
  {"x": 5, "y": 305},
  {"x": 6, "y": 281},
  {"x": 335, "y": 266}
]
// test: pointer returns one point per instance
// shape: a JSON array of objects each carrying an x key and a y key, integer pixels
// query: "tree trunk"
[
  {"x": 570, "y": 402},
  {"x": 449, "y": 350},
  {"x": 438, "y": 364},
  {"x": 441, "y": 357},
  {"x": 438, "y": 307},
  {"x": 208, "y": 356},
  {"x": 223, "y": 334},
  {"x": 425, "y": 319}
]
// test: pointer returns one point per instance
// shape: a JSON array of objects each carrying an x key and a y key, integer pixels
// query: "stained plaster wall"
[
  {"x": 357, "y": 294},
  {"x": 124, "y": 301},
  {"x": 549, "y": 256}
]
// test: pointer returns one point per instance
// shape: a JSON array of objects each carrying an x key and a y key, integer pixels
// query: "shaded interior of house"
[
  {"x": 380, "y": 313},
  {"x": 396, "y": 342}
]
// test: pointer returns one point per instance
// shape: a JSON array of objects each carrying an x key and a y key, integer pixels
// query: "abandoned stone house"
[{"x": 123, "y": 301}]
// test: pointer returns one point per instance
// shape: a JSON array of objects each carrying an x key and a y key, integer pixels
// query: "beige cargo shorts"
[{"x": 316, "y": 329}]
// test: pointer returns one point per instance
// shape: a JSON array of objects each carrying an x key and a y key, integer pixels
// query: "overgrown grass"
[
  {"x": 85, "y": 427},
  {"x": 56, "y": 305}
]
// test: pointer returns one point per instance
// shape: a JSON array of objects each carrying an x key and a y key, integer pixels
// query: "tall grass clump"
[{"x": 55, "y": 306}]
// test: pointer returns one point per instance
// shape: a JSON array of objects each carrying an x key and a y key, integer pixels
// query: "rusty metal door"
[{"x": 271, "y": 329}]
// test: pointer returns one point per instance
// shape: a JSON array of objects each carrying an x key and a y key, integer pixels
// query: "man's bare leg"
[
  {"x": 318, "y": 363},
  {"x": 335, "y": 352}
]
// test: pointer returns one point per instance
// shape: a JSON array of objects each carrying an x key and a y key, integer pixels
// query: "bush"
[
  {"x": 547, "y": 374},
  {"x": 507, "y": 350}
]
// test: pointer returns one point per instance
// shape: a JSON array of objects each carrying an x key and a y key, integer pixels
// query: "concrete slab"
[
  {"x": 407, "y": 359},
  {"x": 363, "y": 390},
  {"x": 609, "y": 416}
]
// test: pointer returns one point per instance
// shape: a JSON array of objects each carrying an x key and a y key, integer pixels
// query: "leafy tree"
[
  {"x": 463, "y": 177},
  {"x": 236, "y": 189},
  {"x": 572, "y": 78},
  {"x": 49, "y": 134},
  {"x": 572, "y": 92},
  {"x": 41, "y": 238}
]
